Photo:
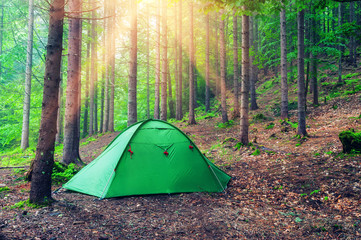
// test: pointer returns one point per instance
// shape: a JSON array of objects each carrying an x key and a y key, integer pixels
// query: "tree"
[
  {"x": 253, "y": 66},
  {"x": 179, "y": 114},
  {"x": 284, "y": 85},
  {"x": 157, "y": 66},
  {"x": 72, "y": 108},
  {"x": 191, "y": 115},
  {"x": 222, "y": 45},
  {"x": 301, "y": 74},
  {"x": 340, "y": 46},
  {"x": 235, "y": 67},
  {"x": 112, "y": 67},
  {"x": 104, "y": 122},
  {"x": 28, "y": 73},
  {"x": 94, "y": 73},
  {"x": 207, "y": 102},
  {"x": 313, "y": 60},
  {"x": 244, "y": 121},
  {"x": 40, "y": 190},
  {"x": 148, "y": 64},
  {"x": 87, "y": 80},
  {"x": 132, "y": 82},
  {"x": 163, "y": 87}
]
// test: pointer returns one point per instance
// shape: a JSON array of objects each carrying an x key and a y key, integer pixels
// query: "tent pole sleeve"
[
  {"x": 106, "y": 186},
  {"x": 219, "y": 182}
]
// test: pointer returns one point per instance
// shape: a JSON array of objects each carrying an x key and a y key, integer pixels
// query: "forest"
[{"x": 266, "y": 91}]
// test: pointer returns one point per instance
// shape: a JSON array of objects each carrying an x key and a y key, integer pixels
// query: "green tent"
[{"x": 149, "y": 157}]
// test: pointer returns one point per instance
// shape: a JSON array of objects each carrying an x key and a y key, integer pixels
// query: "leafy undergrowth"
[{"x": 282, "y": 187}]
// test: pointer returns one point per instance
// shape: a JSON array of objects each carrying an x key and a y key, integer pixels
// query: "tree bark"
[
  {"x": 148, "y": 65},
  {"x": 132, "y": 83},
  {"x": 235, "y": 113},
  {"x": 352, "y": 57},
  {"x": 244, "y": 121},
  {"x": 179, "y": 114},
  {"x": 222, "y": 45},
  {"x": 253, "y": 66},
  {"x": 191, "y": 115},
  {"x": 157, "y": 67},
  {"x": 112, "y": 67},
  {"x": 94, "y": 71},
  {"x": 284, "y": 84},
  {"x": 340, "y": 47},
  {"x": 170, "y": 96},
  {"x": 87, "y": 80},
  {"x": 301, "y": 74},
  {"x": 28, "y": 73},
  {"x": 40, "y": 190},
  {"x": 163, "y": 106},
  {"x": 217, "y": 57},
  {"x": 71, "y": 129},
  {"x": 207, "y": 96}
]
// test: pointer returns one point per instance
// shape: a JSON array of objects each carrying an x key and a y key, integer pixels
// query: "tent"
[{"x": 149, "y": 157}]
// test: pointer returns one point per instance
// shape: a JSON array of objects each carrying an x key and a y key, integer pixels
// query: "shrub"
[
  {"x": 351, "y": 141},
  {"x": 63, "y": 173}
]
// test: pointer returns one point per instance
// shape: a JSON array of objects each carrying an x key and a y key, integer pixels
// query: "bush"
[{"x": 63, "y": 173}]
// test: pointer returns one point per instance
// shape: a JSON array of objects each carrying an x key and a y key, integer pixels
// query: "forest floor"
[{"x": 290, "y": 189}]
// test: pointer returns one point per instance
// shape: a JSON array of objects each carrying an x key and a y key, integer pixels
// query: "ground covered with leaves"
[{"x": 282, "y": 187}]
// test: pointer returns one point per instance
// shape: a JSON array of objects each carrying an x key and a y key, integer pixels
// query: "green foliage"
[
  {"x": 270, "y": 126},
  {"x": 63, "y": 173},
  {"x": 351, "y": 141},
  {"x": 26, "y": 203},
  {"x": 17, "y": 157},
  {"x": 228, "y": 124},
  {"x": 256, "y": 152},
  {"x": 4, "y": 189},
  {"x": 88, "y": 140}
]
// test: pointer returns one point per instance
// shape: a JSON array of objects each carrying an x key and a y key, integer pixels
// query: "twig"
[{"x": 14, "y": 167}]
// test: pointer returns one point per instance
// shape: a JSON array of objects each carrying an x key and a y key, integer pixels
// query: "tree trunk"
[
  {"x": 105, "y": 91},
  {"x": 163, "y": 106},
  {"x": 313, "y": 38},
  {"x": 191, "y": 115},
  {"x": 87, "y": 80},
  {"x": 235, "y": 113},
  {"x": 71, "y": 140},
  {"x": 94, "y": 71},
  {"x": 340, "y": 47},
  {"x": 253, "y": 67},
  {"x": 244, "y": 121},
  {"x": 284, "y": 85},
  {"x": 59, "y": 120},
  {"x": 132, "y": 83},
  {"x": 217, "y": 58},
  {"x": 352, "y": 57},
  {"x": 112, "y": 68},
  {"x": 40, "y": 190},
  {"x": 301, "y": 74},
  {"x": 222, "y": 45},
  {"x": 180, "y": 65},
  {"x": 170, "y": 96},
  {"x": 148, "y": 65},
  {"x": 207, "y": 97},
  {"x": 28, "y": 72},
  {"x": 157, "y": 66}
]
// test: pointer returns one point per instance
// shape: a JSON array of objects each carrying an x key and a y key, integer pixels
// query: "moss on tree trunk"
[{"x": 351, "y": 141}]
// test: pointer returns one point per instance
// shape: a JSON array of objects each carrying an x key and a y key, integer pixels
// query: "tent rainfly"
[{"x": 149, "y": 157}]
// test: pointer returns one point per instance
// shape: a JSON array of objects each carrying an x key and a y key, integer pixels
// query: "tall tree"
[
  {"x": 176, "y": 59},
  {"x": 40, "y": 190},
  {"x": 112, "y": 66},
  {"x": 157, "y": 66},
  {"x": 340, "y": 46},
  {"x": 71, "y": 129},
  {"x": 301, "y": 74},
  {"x": 191, "y": 115},
  {"x": 244, "y": 119},
  {"x": 163, "y": 84},
  {"x": 207, "y": 98},
  {"x": 179, "y": 114},
  {"x": 253, "y": 67},
  {"x": 284, "y": 85},
  {"x": 105, "y": 91},
  {"x": 235, "y": 66},
  {"x": 313, "y": 58},
  {"x": 94, "y": 71},
  {"x": 132, "y": 82},
  {"x": 87, "y": 80},
  {"x": 217, "y": 56},
  {"x": 28, "y": 73},
  {"x": 222, "y": 44},
  {"x": 148, "y": 63},
  {"x": 353, "y": 52}
]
